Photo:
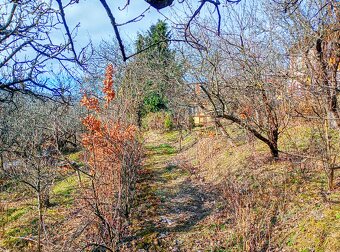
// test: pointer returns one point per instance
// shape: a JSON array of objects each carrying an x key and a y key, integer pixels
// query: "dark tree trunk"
[
  {"x": 274, "y": 137},
  {"x": 45, "y": 199},
  {"x": 2, "y": 162},
  {"x": 274, "y": 150},
  {"x": 331, "y": 180},
  {"x": 139, "y": 118},
  {"x": 271, "y": 140},
  {"x": 327, "y": 75}
]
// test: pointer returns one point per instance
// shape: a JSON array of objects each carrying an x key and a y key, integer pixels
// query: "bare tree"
[
  {"x": 36, "y": 137},
  {"x": 32, "y": 155},
  {"x": 241, "y": 76},
  {"x": 313, "y": 36},
  {"x": 312, "y": 29},
  {"x": 29, "y": 41}
]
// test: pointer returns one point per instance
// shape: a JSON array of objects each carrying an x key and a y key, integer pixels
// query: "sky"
[{"x": 95, "y": 24}]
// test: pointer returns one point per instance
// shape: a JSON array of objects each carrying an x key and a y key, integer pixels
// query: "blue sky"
[{"x": 95, "y": 24}]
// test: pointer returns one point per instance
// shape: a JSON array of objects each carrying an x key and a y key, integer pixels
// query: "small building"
[{"x": 200, "y": 116}]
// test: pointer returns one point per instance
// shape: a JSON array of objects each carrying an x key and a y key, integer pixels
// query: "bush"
[
  {"x": 153, "y": 102},
  {"x": 168, "y": 123},
  {"x": 154, "y": 121}
]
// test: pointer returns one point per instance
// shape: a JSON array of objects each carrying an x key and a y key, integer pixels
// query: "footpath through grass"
[
  {"x": 180, "y": 207},
  {"x": 172, "y": 207},
  {"x": 181, "y": 204}
]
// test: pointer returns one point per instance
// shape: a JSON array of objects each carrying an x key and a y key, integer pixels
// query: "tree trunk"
[
  {"x": 79, "y": 178},
  {"x": 139, "y": 118},
  {"x": 46, "y": 200},
  {"x": 2, "y": 162},
  {"x": 274, "y": 150},
  {"x": 333, "y": 108},
  {"x": 224, "y": 132},
  {"x": 40, "y": 221},
  {"x": 328, "y": 82},
  {"x": 180, "y": 138},
  {"x": 331, "y": 179},
  {"x": 273, "y": 139}
]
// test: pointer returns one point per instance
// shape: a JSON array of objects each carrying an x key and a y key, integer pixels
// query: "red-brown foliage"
[{"x": 112, "y": 157}]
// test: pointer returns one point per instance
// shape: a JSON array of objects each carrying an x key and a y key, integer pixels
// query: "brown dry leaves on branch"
[{"x": 112, "y": 156}]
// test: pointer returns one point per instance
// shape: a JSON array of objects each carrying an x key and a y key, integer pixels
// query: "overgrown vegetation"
[{"x": 220, "y": 131}]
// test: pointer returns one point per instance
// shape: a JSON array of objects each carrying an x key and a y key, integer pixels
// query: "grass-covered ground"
[
  {"x": 210, "y": 196},
  {"x": 19, "y": 211},
  {"x": 201, "y": 193}
]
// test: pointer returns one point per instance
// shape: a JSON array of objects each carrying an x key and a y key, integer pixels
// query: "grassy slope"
[
  {"x": 18, "y": 219},
  {"x": 306, "y": 221},
  {"x": 179, "y": 206}
]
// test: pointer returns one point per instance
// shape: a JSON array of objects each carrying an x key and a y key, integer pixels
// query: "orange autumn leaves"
[
  {"x": 108, "y": 85},
  {"x": 90, "y": 103},
  {"x": 92, "y": 124},
  {"x": 108, "y": 91},
  {"x": 112, "y": 155},
  {"x": 104, "y": 138}
]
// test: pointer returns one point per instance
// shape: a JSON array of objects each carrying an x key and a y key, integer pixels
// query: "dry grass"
[
  {"x": 208, "y": 196},
  {"x": 267, "y": 205}
]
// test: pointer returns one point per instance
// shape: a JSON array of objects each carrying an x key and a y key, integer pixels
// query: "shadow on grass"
[{"x": 168, "y": 203}]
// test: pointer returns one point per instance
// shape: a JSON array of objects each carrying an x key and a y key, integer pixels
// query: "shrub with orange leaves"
[
  {"x": 113, "y": 155},
  {"x": 108, "y": 84},
  {"x": 90, "y": 103}
]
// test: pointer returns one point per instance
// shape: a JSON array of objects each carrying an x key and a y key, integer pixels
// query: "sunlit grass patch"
[
  {"x": 319, "y": 231},
  {"x": 171, "y": 136},
  {"x": 162, "y": 149},
  {"x": 13, "y": 214},
  {"x": 63, "y": 189},
  {"x": 75, "y": 156},
  {"x": 21, "y": 226}
]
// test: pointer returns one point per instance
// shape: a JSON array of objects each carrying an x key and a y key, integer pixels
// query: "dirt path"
[{"x": 171, "y": 207}]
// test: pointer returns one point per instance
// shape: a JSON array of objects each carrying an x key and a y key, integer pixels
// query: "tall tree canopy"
[{"x": 160, "y": 66}]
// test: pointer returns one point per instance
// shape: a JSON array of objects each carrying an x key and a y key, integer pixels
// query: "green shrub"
[
  {"x": 153, "y": 102},
  {"x": 168, "y": 123}
]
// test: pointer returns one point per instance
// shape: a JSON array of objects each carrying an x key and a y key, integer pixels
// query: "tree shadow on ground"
[{"x": 169, "y": 202}]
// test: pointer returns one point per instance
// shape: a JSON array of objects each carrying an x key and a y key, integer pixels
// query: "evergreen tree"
[{"x": 160, "y": 66}]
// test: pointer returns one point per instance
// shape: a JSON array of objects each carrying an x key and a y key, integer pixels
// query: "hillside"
[
  {"x": 164, "y": 125},
  {"x": 209, "y": 196},
  {"x": 206, "y": 196}
]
